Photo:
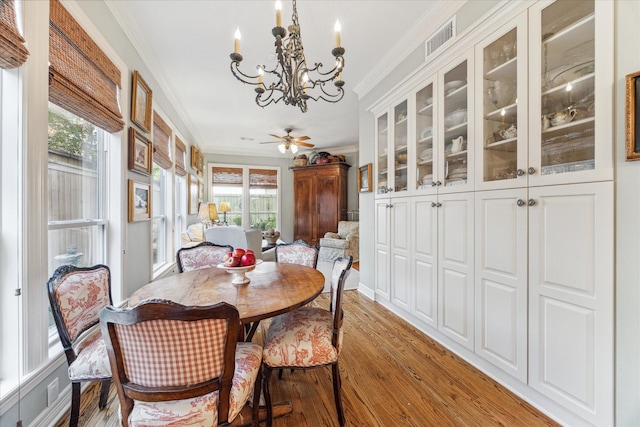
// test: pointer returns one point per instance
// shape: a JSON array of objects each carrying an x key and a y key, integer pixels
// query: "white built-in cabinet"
[{"x": 494, "y": 201}]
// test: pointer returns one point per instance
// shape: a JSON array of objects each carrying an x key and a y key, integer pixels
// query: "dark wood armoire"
[{"x": 320, "y": 200}]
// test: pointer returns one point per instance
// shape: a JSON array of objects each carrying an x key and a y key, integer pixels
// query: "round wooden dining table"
[{"x": 275, "y": 288}]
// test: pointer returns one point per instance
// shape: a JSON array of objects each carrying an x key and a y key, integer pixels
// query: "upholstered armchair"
[{"x": 344, "y": 243}]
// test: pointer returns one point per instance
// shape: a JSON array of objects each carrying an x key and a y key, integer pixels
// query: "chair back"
[
  {"x": 162, "y": 351},
  {"x": 77, "y": 295},
  {"x": 202, "y": 255},
  {"x": 339, "y": 274},
  {"x": 298, "y": 252}
]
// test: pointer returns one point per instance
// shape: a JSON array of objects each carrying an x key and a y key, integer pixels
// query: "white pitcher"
[{"x": 456, "y": 144}]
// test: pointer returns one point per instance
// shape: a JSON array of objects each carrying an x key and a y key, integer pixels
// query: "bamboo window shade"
[
  {"x": 161, "y": 142},
  {"x": 181, "y": 152},
  {"x": 82, "y": 79},
  {"x": 226, "y": 176},
  {"x": 13, "y": 52},
  {"x": 263, "y": 178}
]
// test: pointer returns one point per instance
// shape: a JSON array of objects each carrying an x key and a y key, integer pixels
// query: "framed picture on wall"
[
  {"x": 139, "y": 152},
  {"x": 194, "y": 188},
  {"x": 364, "y": 178},
  {"x": 141, "y": 102},
  {"x": 139, "y": 201},
  {"x": 633, "y": 116},
  {"x": 197, "y": 160}
]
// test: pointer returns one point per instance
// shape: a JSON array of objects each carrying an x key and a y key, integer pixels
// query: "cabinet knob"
[
  {"x": 390, "y": 206},
  {"x": 438, "y": 183},
  {"x": 532, "y": 171},
  {"x": 433, "y": 204},
  {"x": 520, "y": 202},
  {"x": 520, "y": 172},
  {"x": 532, "y": 202},
  {"x": 438, "y": 204},
  {"x": 433, "y": 183}
]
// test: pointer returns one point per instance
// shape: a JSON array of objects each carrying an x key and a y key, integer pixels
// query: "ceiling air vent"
[{"x": 440, "y": 37}]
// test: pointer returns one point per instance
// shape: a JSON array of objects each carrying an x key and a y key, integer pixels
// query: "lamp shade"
[
  {"x": 225, "y": 207},
  {"x": 207, "y": 212}
]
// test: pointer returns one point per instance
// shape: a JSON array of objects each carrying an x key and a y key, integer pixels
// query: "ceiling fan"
[{"x": 289, "y": 142}]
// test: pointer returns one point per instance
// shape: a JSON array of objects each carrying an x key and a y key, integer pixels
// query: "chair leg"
[
  {"x": 255, "y": 408},
  {"x": 75, "y": 405},
  {"x": 280, "y": 373},
  {"x": 104, "y": 394},
  {"x": 336, "y": 392},
  {"x": 266, "y": 375}
]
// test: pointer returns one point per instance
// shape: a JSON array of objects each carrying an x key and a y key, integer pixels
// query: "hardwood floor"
[{"x": 392, "y": 375}]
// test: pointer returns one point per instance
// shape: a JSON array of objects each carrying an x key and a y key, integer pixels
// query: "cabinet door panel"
[
  {"x": 400, "y": 250},
  {"x": 305, "y": 207},
  {"x": 455, "y": 268},
  {"x": 501, "y": 279},
  {"x": 424, "y": 257},
  {"x": 571, "y": 297},
  {"x": 382, "y": 248},
  {"x": 327, "y": 190}
]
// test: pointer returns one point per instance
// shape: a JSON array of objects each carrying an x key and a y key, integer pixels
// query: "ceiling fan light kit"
[{"x": 291, "y": 80}]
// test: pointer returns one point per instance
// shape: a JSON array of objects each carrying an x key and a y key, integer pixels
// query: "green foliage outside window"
[{"x": 72, "y": 135}]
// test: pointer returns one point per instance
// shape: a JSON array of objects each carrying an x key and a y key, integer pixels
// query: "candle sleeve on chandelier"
[
  {"x": 337, "y": 30},
  {"x": 236, "y": 44},
  {"x": 260, "y": 74},
  {"x": 278, "y": 13}
]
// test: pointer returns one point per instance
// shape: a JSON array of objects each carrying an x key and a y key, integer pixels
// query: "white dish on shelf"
[
  {"x": 426, "y": 133},
  {"x": 426, "y": 154},
  {"x": 239, "y": 273},
  {"x": 453, "y": 85},
  {"x": 456, "y": 118},
  {"x": 428, "y": 101}
]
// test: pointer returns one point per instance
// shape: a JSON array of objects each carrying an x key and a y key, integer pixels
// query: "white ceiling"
[{"x": 186, "y": 45}]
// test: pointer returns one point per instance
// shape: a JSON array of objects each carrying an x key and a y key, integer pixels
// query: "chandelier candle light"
[{"x": 291, "y": 80}]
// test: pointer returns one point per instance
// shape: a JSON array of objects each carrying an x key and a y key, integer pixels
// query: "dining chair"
[
  {"x": 179, "y": 365},
  {"x": 309, "y": 337},
  {"x": 77, "y": 295},
  {"x": 202, "y": 255},
  {"x": 298, "y": 252}
]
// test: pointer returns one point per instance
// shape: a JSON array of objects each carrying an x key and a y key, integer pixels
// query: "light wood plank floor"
[{"x": 392, "y": 375}]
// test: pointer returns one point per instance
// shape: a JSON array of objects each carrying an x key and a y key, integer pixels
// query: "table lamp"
[
  {"x": 207, "y": 214},
  {"x": 224, "y": 208}
]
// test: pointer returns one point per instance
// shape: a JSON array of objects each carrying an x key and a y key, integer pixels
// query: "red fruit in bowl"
[
  {"x": 238, "y": 252},
  {"x": 227, "y": 256},
  {"x": 248, "y": 259},
  {"x": 234, "y": 261},
  {"x": 249, "y": 251}
]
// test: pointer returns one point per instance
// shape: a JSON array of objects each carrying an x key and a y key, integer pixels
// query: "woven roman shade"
[
  {"x": 181, "y": 152},
  {"x": 82, "y": 79},
  {"x": 263, "y": 178},
  {"x": 161, "y": 142},
  {"x": 227, "y": 177},
  {"x": 13, "y": 52}
]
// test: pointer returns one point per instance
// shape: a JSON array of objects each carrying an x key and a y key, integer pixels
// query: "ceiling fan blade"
[
  {"x": 304, "y": 144},
  {"x": 271, "y": 142},
  {"x": 302, "y": 138},
  {"x": 276, "y": 136}
]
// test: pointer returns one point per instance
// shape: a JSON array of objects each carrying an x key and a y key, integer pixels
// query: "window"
[
  {"x": 254, "y": 187},
  {"x": 159, "y": 216}
]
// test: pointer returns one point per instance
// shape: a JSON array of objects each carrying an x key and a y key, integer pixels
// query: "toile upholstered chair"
[
  {"x": 298, "y": 252},
  {"x": 202, "y": 255},
  {"x": 182, "y": 366},
  {"x": 77, "y": 295},
  {"x": 309, "y": 337},
  {"x": 344, "y": 243}
]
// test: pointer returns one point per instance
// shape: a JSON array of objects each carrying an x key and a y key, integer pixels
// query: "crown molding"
[{"x": 426, "y": 25}]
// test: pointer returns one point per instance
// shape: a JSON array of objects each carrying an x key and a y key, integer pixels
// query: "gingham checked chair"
[
  {"x": 76, "y": 295},
  {"x": 298, "y": 252},
  {"x": 181, "y": 366},
  {"x": 308, "y": 337},
  {"x": 202, "y": 255}
]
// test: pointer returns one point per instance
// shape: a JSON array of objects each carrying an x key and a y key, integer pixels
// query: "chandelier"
[{"x": 291, "y": 80}]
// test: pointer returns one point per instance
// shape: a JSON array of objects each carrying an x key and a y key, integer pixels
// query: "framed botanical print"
[
  {"x": 139, "y": 201},
  {"x": 141, "y": 102},
  {"x": 194, "y": 188},
  {"x": 139, "y": 152},
  {"x": 197, "y": 160},
  {"x": 633, "y": 116},
  {"x": 364, "y": 178}
]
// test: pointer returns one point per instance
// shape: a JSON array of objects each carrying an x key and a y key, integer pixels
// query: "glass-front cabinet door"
[
  {"x": 501, "y": 75},
  {"x": 424, "y": 148},
  {"x": 571, "y": 122},
  {"x": 400, "y": 152},
  {"x": 456, "y": 94},
  {"x": 382, "y": 157}
]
